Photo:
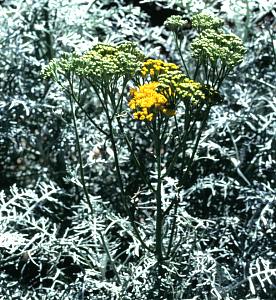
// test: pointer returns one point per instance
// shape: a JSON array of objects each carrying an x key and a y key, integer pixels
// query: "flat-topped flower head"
[
  {"x": 218, "y": 47},
  {"x": 203, "y": 21},
  {"x": 106, "y": 61},
  {"x": 132, "y": 49},
  {"x": 176, "y": 86},
  {"x": 176, "y": 23},
  {"x": 60, "y": 66},
  {"x": 169, "y": 82},
  {"x": 103, "y": 62},
  {"x": 146, "y": 102},
  {"x": 155, "y": 67}
]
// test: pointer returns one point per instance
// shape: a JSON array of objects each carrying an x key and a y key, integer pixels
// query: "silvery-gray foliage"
[{"x": 51, "y": 247}]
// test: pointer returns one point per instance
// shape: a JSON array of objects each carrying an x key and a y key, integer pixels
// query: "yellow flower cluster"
[
  {"x": 156, "y": 67},
  {"x": 147, "y": 102}
]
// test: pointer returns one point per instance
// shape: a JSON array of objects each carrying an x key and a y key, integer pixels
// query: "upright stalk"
[
  {"x": 178, "y": 48},
  {"x": 120, "y": 180},
  {"x": 116, "y": 160},
  {"x": 136, "y": 160},
  {"x": 80, "y": 156},
  {"x": 191, "y": 159},
  {"x": 159, "y": 213},
  {"x": 173, "y": 229}
]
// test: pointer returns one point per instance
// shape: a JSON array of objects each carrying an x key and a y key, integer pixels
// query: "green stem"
[
  {"x": 205, "y": 64},
  {"x": 178, "y": 48},
  {"x": 186, "y": 129},
  {"x": 80, "y": 156},
  {"x": 203, "y": 124},
  {"x": 164, "y": 121},
  {"x": 172, "y": 229},
  {"x": 174, "y": 249},
  {"x": 136, "y": 160},
  {"x": 179, "y": 147},
  {"x": 176, "y": 126},
  {"x": 220, "y": 77},
  {"x": 196, "y": 69},
  {"x": 119, "y": 177},
  {"x": 120, "y": 99},
  {"x": 77, "y": 100},
  {"x": 106, "y": 249},
  {"x": 159, "y": 212},
  {"x": 114, "y": 148}
]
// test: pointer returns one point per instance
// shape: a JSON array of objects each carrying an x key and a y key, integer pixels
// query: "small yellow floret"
[
  {"x": 147, "y": 102},
  {"x": 155, "y": 67}
]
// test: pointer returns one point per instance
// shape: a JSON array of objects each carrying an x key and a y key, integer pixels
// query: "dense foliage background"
[{"x": 48, "y": 249}]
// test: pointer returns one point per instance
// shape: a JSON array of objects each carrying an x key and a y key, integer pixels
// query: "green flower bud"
[
  {"x": 203, "y": 21},
  {"x": 176, "y": 86},
  {"x": 176, "y": 23},
  {"x": 216, "y": 46},
  {"x": 103, "y": 62}
]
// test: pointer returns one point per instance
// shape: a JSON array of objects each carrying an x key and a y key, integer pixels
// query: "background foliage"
[{"x": 48, "y": 249}]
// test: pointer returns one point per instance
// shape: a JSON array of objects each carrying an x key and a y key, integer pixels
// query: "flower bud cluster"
[
  {"x": 178, "y": 87},
  {"x": 103, "y": 62},
  {"x": 176, "y": 23},
  {"x": 59, "y": 66},
  {"x": 218, "y": 47},
  {"x": 204, "y": 21}
]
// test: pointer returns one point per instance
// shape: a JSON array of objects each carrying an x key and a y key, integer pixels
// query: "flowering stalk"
[
  {"x": 215, "y": 52},
  {"x": 171, "y": 104},
  {"x": 123, "y": 195},
  {"x": 70, "y": 92},
  {"x": 178, "y": 48},
  {"x": 154, "y": 102},
  {"x": 80, "y": 156},
  {"x": 103, "y": 75}
]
